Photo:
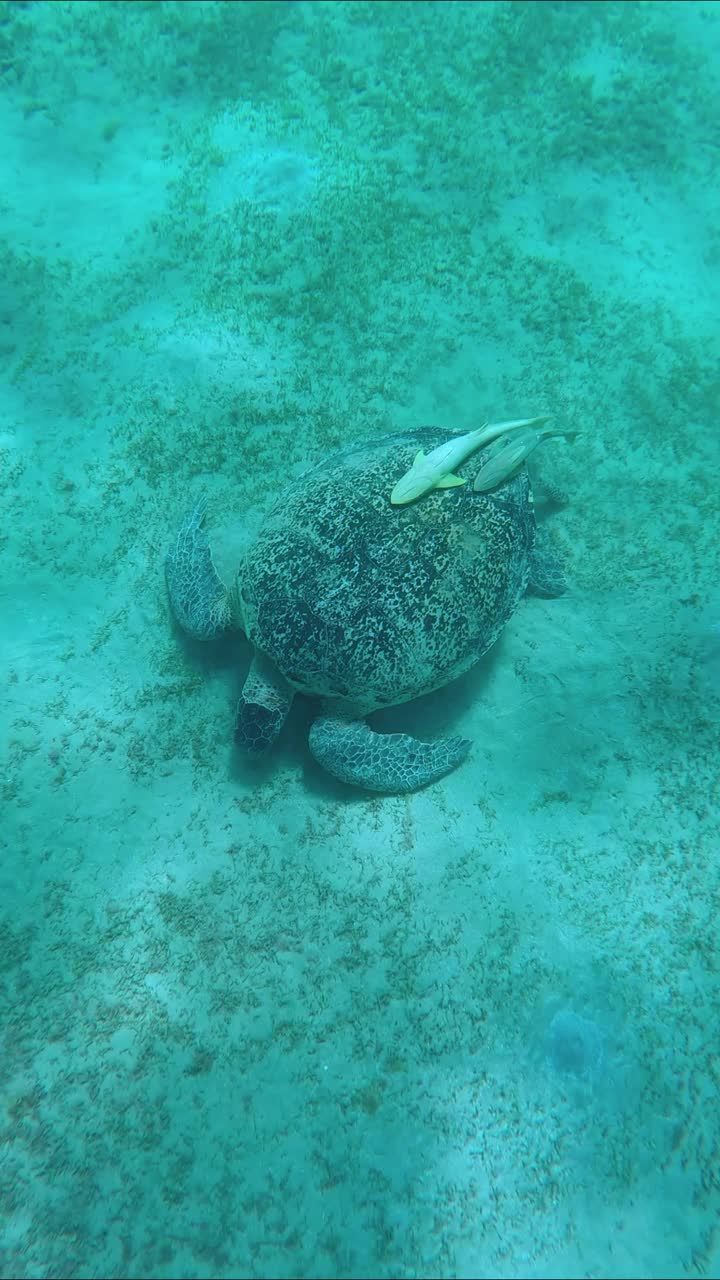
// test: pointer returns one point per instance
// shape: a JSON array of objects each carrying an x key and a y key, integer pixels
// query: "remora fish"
[
  {"x": 435, "y": 470},
  {"x": 509, "y": 452}
]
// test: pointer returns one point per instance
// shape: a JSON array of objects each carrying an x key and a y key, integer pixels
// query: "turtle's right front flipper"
[
  {"x": 199, "y": 599},
  {"x": 390, "y": 762}
]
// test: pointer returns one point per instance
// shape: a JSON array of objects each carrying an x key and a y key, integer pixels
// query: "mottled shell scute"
[{"x": 370, "y": 604}]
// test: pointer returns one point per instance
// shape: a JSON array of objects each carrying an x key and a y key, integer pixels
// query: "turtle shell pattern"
[{"x": 371, "y": 605}]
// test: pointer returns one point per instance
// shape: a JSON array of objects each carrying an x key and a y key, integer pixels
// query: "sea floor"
[{"x": 252, "y": 1022}]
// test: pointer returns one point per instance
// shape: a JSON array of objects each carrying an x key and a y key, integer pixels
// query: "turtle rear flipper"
[
  {"x": 547, "y": 573},
  {"x": 199, "y": 599},
  {"x": 262, "y": 710},
  {"x": 390, "y": 762}
]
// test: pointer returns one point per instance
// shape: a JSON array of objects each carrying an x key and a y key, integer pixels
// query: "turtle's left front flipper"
[{"x": 199, "y": 599}]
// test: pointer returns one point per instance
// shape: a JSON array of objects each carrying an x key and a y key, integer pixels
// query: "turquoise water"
[{"x": 254, "y": 1022}]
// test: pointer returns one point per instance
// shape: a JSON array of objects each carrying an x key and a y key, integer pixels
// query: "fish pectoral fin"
[
  {"x": 419, "y": 457},
  {"x": 450, "y": 482}
]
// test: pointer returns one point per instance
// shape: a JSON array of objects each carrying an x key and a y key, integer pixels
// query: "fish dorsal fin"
[{"x": 419, "y": 457}]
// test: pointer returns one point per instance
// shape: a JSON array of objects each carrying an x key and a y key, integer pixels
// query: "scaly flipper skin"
[
  {"x": 547, "y": 574},
  {"x": 264, "y": 703},
  {"x": 199, "y": 600},
  {"x": 390, "y": 762}
]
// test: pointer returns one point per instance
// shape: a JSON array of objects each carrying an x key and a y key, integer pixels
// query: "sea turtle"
[{"x": 365, "y": 605}]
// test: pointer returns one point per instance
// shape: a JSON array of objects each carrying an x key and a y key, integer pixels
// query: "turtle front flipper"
[
  {"x": 199, "y": 599},
  {"x": 264, "y": 703},
  {"x": 391, "y": 762}
]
